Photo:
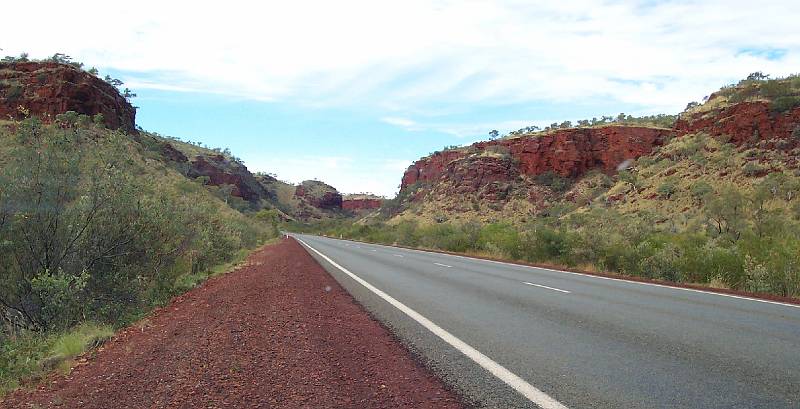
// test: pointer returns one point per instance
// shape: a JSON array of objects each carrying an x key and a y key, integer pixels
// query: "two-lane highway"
[{"x": 515, "y": 336}]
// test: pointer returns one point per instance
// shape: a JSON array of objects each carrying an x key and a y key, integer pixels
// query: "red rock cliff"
[
  {"x": 743, "y": 122},
  {"x": 319, "y": 195},
  {"x": 568, "y": 152},
  {"x": 47, "y": 89},
  {"x": 221, "y": 171},
  {"x": 361, "y": 204}
]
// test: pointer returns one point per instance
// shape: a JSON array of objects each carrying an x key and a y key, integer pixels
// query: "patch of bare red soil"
[{"x": 277, "y": 333}]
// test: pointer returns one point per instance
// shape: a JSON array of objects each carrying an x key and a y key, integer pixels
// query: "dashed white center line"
[
  {"x": 397, "y": 255},
  {"x": 374, "y": 251},
  {"x": 443, "y": 265},
  {"x": 549, "y": 288}
]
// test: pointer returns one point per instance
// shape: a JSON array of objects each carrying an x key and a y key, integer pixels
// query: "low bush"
[
  {"x": 90, "y": 231},
  {"x": 742, "y": 242}
]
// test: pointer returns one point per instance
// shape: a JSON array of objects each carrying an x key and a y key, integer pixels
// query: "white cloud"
[
  {"x": 346, "y": 174},
  {"x": 402, "y": 55},
  {"x": 401, "y": 122}
]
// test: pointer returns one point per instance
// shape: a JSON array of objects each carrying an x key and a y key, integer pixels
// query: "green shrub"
[
  {"x": 14, "y": 92},
  {"x": 752, "y": 169},
  {"x": 554, "y": 181},
  {"x": 666, "y": 190},
  {"x": 59, "y": 298},
  {"x": 700, "y": 190},
  {"x": 786, "y": 103}
]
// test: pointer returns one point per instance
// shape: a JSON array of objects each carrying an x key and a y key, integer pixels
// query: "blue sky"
[{"x": 351, "y": 92}]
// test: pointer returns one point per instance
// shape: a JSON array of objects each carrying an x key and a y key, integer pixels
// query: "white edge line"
[
  {"x": 693, "y": 290},
  {"x": 549, "y": 288},
  {"x": 443, "y": 265},
  {"x": 520, "y": 385}
]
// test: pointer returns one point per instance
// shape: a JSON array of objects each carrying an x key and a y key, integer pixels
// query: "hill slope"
[
  {"x": 710, "y": 199},
  {"x": 729, "y": 139}
]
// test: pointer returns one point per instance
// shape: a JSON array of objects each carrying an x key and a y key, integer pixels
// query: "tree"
[
  {"x": 494, "y": 134},
  {"x": 691, "y": 105},
  {"x": 68, "y": 214},
  {"x": 127, "y": 93},
  {"x": 113, "y": 81},
  {"x": 93, "y": 71},
  {"x": 758, "y": 76},
  {"x": 726, "y": 212},
  {"x": 61, "y": 58}
]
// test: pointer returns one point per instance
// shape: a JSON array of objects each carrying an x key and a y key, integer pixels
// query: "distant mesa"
[
  {"x": 319, "y": 194},
  {"x": 361, "y": 202}
]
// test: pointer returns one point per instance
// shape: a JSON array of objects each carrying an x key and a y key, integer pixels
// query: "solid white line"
[
  {"x": 520, "y": 385},
  {"x": 549, "y": 288},
  {"x": 692, "y": 290},
  {"x": 443, "y": 265}
]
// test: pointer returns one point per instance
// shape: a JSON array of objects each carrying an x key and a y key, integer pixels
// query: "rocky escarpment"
[
  {"x": 524, "y": 176},
  {"x": 223, "y": 171},
  {"x": 46, "y": 89},
  {"x": 319, "y": 195},
  {"x": 746, "y": 122},
  {"x": 361, "y": 203},
  {"x": 569, "y": 153}
]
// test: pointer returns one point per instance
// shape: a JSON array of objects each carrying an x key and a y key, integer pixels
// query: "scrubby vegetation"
[
  {"x": 783, "y": 93},
  {"x": 659, "y": 120},
  {"x": 698, "y": 210},
  {"x": 61, "y": 58},
  {"x": 95, "y": 231},
  {"x": 747, "y": 241}
]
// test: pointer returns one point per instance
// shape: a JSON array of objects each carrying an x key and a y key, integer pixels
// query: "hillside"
[
  {"x": 740, "y": 135},
  {"x": 49, "y": 88},
  {"x": 100, "y": 221},
  {"x": 708, "y": 197}
]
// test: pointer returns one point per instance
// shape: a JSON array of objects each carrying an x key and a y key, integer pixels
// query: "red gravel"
[{"x": 277, "y": 333}]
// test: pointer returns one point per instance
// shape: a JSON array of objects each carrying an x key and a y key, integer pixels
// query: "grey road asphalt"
[{"x": 582, "y": 341}]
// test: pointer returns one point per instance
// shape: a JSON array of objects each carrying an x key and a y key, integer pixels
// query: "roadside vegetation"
[
  {"x": 699, "y": 210},
  {"x": 744, "y": 245},
  {"x": 95, "y": 231}
]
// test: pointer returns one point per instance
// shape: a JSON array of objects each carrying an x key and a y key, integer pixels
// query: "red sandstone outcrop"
[
  {"x": 222, "y": 171},
  {"x": 744, "y": 122},
  {"x": 490, "y": 176},
  {"x": 358, "y": 203},
  {"x": 568, "y": 152},
  {"x": 46, "y": 89},
  {"x": 319, "y": 195}
]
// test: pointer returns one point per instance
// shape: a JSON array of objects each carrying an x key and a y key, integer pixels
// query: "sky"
[{"x": 352, "y": 92}]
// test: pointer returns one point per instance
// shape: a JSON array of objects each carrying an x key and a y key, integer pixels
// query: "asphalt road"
[{"x": 510, "y": 336}]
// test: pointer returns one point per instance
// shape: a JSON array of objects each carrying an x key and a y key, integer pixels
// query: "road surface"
[{"x": 510, "y": 336}]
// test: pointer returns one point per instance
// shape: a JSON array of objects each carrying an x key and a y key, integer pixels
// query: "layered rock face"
[
  {"x": 46, "y": 89},
  {"x": 746, "y": 122},
  {"x": 221, "y": 171},
  {"x": 360, "y": 203},
  {"x": 568, "y": 152},
  {"x": 319, "y": 195}
]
